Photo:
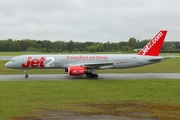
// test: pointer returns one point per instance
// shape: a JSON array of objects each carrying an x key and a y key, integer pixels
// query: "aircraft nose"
[{"x": 7, "y": 65}]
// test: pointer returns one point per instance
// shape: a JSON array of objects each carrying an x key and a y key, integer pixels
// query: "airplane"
[{"x": 81, "y": 64}]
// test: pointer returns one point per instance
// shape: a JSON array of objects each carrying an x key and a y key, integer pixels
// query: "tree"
[
  {"x": 76, "y": 50},
  {"x": 143, "y": 43},
  {"x": 70, "y": 46},
  {"x": 107, "y": 46},
  {"x": 15, "y": 46},
  {"x": 99, "y": 47},
  {"x": 169, "y": 46},
  {"x": 132, "y": 43},
  {"x": 47, "y": 44},
  {"x": 126, "y": 48},
  {"x": 62, "y": 46},
  {"x": 121, "y": 44},
  {"x": 92, "y": 49},
  {"x": 30, "y": 49}
]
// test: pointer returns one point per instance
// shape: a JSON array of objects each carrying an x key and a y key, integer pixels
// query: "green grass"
[
  {"x": 160, "y": 98},
  {"x": 23, "y": 97}
]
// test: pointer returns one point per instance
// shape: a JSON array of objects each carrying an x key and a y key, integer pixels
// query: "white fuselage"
[{"x": 102, "y": 61}]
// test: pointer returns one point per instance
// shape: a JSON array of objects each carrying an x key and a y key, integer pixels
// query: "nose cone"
[{"x": 7, "y": 65}]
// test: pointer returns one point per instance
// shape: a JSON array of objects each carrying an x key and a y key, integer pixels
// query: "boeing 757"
[{"x": 87, "y": 64}]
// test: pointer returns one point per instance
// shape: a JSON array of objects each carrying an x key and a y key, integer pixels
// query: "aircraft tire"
[
  {"x": 95, "y": 75},
  {"x": 26, "y": 76},
  {"x": 90, "y": 75}
]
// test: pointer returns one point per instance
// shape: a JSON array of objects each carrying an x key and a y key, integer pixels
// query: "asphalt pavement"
[{"x": 134, "y": 76}]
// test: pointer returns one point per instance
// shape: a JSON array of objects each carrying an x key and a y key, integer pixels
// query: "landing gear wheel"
[
  {"x": 92, "y": 75},
  {"x": 26, "y": 76},
  {"x": 88, "y": 75},
  {"x": 95, "y": 75}
]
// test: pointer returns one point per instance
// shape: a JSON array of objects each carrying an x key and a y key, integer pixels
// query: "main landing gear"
[
  {"x": 26, "y": 74},
  {"x": 91, "y": 75}
]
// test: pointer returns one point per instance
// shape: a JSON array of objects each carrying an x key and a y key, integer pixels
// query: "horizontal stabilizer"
[
  {"x": 163, "y": 58},
  {"x": 157, "y": 59}
]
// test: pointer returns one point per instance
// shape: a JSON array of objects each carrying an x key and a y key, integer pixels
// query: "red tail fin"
[{"x": 154, "y": 46}]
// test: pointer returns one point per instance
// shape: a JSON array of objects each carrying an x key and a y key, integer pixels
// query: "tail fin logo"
[
  {"x": 154, "y": 46},
  {"x": 152, "y": 43}
]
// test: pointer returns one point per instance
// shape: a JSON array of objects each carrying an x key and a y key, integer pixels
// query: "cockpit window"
[{"x": 12, "y": 60}]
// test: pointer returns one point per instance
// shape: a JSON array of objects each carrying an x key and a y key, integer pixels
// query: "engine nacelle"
[{"x": 76, "y": 70}]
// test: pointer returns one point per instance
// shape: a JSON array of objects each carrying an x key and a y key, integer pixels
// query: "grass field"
[
  {"x": 135, "y": 98},
  {"x": 21, "y": 99}
]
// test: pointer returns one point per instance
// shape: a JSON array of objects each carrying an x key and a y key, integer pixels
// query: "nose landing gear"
[{"x": 26, "y": 74}]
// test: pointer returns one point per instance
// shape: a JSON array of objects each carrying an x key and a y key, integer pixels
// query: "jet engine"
[{"x": 76, "y": 70}]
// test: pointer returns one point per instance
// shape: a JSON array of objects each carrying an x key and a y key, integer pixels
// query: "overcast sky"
[{"x": 89, "y": 20}]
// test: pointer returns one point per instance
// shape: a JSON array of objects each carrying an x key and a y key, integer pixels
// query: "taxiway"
[
  {"x": 101, "y": 76},
  {"x": 6, "y": 57}
]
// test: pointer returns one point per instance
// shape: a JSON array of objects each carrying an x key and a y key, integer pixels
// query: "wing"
[{"x": 98, "y": 65}]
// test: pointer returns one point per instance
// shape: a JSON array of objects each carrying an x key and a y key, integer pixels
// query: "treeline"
[{"x": 71, "y": 46}]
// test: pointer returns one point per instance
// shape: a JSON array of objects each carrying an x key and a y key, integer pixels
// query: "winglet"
[{"x": 154, "y": 46}]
